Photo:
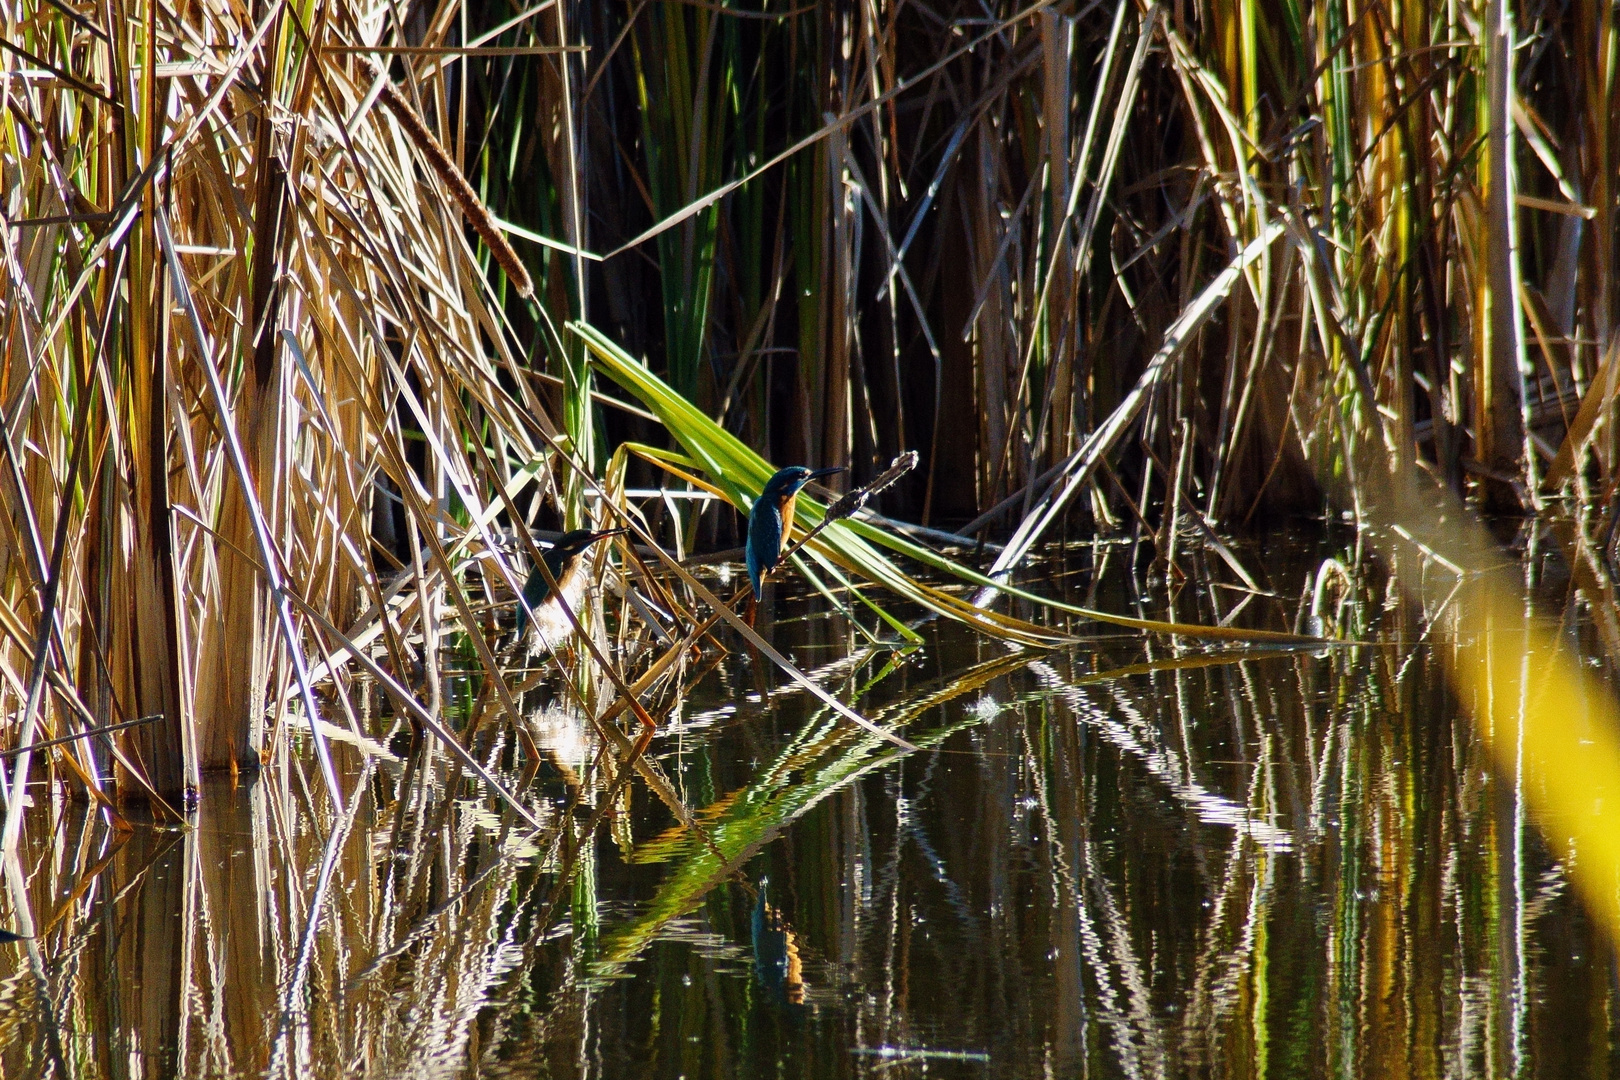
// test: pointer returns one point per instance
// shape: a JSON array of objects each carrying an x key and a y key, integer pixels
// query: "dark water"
[{"x": 1126, "y": 858}]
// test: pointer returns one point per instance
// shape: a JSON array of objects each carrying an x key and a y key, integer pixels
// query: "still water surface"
[{"x": 1123, "y": 859}]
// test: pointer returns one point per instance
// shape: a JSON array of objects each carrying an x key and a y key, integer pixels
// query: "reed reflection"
[{"x": 1121, "y": 859}]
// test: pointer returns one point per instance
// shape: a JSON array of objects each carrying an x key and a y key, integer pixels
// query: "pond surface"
[{"x": 1127, "y": 858}]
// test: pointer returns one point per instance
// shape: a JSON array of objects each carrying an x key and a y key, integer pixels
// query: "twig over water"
[{"x": 852, "y": 503}]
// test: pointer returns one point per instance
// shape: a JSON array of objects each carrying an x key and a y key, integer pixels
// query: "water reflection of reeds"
[{"x": 1119, "y": 859}]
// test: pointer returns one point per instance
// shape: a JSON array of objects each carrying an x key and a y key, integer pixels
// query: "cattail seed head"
[{"x": 472, "y": 207}]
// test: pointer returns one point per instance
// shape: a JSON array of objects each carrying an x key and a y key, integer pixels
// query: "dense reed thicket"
[
  {"x": 244, "y": 327},
  {"x": 970, "y": 229},
  {"x": 277, "y": 397}
]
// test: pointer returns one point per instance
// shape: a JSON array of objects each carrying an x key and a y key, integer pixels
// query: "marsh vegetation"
[{"x": 322, "y": 320}]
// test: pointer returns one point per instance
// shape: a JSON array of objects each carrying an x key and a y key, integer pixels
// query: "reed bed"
[
  {"x": 256, "y": 383},
  {"x": 992, "y": 223},
  {"x": 270, "y": 350},
  {"x": 313, "y": 314}
]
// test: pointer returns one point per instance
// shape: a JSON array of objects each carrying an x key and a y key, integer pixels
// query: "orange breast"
[
  {"x": 550, "y": 620},
  {"x": 787, "y": 516}
]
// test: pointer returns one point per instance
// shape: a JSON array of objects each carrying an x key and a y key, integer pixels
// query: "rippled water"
[{"x": 1125, "y": 858}]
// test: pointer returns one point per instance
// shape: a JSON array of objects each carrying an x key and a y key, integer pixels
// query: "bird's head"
[
  {"x": 574, "y": 543},
  {"x": 787, "y": 482}
]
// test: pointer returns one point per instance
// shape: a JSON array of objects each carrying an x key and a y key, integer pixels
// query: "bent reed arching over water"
[{"x": 315, "y": 314}]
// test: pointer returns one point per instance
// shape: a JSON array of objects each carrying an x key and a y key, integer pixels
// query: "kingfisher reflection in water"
[{"x": 776, "y": 952}]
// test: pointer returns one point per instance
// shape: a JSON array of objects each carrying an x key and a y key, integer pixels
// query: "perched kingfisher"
[
  {"x": 567, "y": 570},
  {"x": 772, "y": 518}
]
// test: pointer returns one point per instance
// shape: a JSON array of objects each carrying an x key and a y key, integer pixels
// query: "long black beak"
[
  {"x": 829, "y": 471},
  {"x": 593, "y": 538}
]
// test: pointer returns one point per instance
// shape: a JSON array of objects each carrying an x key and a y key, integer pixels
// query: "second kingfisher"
[
  {"x": 771, "y": 519},
  {"x": 568, "y": 570}
]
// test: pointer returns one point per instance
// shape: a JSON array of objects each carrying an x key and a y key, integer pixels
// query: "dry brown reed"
[{"x": 248, "y": 342}]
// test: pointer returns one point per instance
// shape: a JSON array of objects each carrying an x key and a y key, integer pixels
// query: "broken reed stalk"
[{"x": 90, "y": 733}]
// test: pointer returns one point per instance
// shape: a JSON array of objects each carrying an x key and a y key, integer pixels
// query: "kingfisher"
[
  {"x": 567, "y": 570},
  {"x": 771, "y": 519}
]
